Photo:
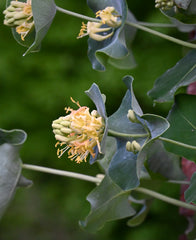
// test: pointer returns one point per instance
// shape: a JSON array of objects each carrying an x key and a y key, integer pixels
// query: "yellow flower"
[
  {"x": 92, "y": 29},
  {"x": 19, "y": 15},
  {"x": 78, "y": 133},
  {"x": 109, "y": 16}
]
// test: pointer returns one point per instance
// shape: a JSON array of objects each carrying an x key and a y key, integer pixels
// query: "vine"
[{"x": 126, "y": 144}]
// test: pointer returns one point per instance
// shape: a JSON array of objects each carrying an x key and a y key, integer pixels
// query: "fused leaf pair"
[
  {"x": 30, "y": 21},
  {"x": 124, "y": 169}
]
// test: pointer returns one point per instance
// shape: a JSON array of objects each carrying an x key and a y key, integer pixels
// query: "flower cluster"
[
  {"x": 109, "y": 17},
  {"x": 164, "y": 4},
  {"x": 19, "y": 15},
  {"x": 80, "y": 131}
]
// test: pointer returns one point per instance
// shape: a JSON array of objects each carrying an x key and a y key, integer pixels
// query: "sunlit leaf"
[
  {"x": 181, "y": 75},
  {"x": 108, "y": 202},
  {"x": 180, "y": 138}
]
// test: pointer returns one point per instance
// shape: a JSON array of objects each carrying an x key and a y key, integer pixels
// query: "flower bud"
[
  {"x": 131, "y": 116},
  {"x": 129, "y": 146},
  {"x": 136, "y": 146},
  {"x": 133, "y": 146},
  {"x": 19, "y": 15},
  {"x": 164, "y": 4}
]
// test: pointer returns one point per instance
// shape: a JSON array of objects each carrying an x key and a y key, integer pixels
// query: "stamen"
[
  {"x": 83, "y": 131},
  {"x": 109, "y": 16},
  {"x": 92, "y": 29}
]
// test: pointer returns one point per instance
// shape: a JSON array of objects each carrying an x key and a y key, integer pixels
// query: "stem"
[
  {"x": 179, "y": 182},
  {"x": 98, "y": 180},
  {"x": 119, "y": 134},
  {"x": 164, "y": 25},
  {"x": 162, "y": 35},
  {"x": 139, "y": 25},
  {"x": 77, "y": 14},
  {"x": 165, "y": 198},
  {"x": 178, "y": 143},
  {"x": 62, "y": 173}
]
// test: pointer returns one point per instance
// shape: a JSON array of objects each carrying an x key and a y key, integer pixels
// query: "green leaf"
[
  {"x": 180, "y": 138},
  {"x": 141, "y": 215},
  {"x": 113, "y": 49},
  {"x": 108, "y": 202},
  {"x": 190, "y": 193},
  {"x": 181, "y": 75},
  {"x": 160, "y": 161},
  {"x": 43, "y": 14},
  {"x": 10, "y": 165}
]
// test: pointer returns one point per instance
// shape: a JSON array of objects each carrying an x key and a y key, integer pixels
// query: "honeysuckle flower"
[
  {"x": 93, "y": 29},
  {"x": 164, "y": 4},
  {"x": 79, "y": 133},
  {"x": 109, "y": 16},
  {"x": 116, "y": 49},
  {"x": 19, "y": 15}
]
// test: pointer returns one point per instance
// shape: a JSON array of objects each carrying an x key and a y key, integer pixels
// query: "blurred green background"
[{"x": 34, "y": 91}]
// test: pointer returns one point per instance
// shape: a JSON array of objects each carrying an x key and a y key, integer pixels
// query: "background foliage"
[{"x": 35, "y": 89}]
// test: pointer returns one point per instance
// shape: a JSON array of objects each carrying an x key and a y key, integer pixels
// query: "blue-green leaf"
[
  {"x": 126, "y": 168},
  {"x": 156, "y": 125},
  {"x": 96, "y": 96},
  {"x": 43, "y": 14},
  {"x": 122, "y": 168},
  {"x": 10, "y": 165},
  {"x": 110, "y": 150},
  {"x": 108, "y": 202}
]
